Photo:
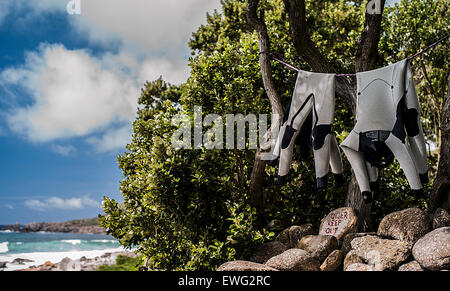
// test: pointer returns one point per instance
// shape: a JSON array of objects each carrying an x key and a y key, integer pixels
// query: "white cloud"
[
  {"x": 77, "y": 95},
  {"x": 60, "y": 203},
  {"x": 63, "y": 150},
  {"x": 148, "y": 24},
  {"x": 73, "y": 94},
  {"x": 112, "y": 139}
]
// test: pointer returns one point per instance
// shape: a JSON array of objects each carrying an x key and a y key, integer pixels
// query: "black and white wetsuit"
[
  {"x": 387, "y": 126},
  {"x": 313, "y": 103}
]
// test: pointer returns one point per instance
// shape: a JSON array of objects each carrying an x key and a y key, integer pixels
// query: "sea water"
[{"x": 39, "y": 247}]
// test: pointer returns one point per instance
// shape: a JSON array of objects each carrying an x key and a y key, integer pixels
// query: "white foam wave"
[
  {"x": 4, "y": 247},
  {"x": 72, "y": 241}
]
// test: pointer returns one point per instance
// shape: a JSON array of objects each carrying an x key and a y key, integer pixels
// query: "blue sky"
[{"x": 69, "y": 86}]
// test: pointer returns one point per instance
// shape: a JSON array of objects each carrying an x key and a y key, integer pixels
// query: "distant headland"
[{"x": 85, "y": 226}]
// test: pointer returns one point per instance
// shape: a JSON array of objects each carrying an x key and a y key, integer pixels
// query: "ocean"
[{"x": 39, "y": 247}]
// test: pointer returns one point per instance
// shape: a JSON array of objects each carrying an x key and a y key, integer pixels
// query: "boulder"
[
  {"x": 384, "y": 254},
  {"x": 2, "y": 265},
  {"x": 346, "y": 241},
  {"x": 319, "y": 246},
  {"x": 332, "y": 262},
  {"x": 441, "y": 218},
  {"x": 339, "y": 222},
  {"x": 244, "y": 266},
  {"x": 19, "y": 261},
  {"x": 411, "y": 266},
  {"x": 351, "y": 258},
  {"x": 267, "y": 251},
  {"x": 433, "y": 250},
  {"x": 283, "y": 237},
  {"x": 294, "y": 260},
  {"x": 407, "y": 225},
  {"x": 292, "y": 235},
  {"x": 360, "y": 267}
]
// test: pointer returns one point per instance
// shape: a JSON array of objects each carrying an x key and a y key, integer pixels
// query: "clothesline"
[{"x": 276, "y": 57}]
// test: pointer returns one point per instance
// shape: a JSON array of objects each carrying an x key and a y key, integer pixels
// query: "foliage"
[
  {"x": 189, "y": 209},
  {"x": 123, "y": 263}
]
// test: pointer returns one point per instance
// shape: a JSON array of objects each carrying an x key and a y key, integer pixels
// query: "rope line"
[{"x": 277, "y": 58}]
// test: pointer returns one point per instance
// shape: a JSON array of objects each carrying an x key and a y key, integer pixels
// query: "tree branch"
[
  {"x": 367, "y": 53},
  {"x": 306, "y": 48}
]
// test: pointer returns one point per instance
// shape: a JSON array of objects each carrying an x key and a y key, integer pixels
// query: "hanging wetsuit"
[
  {"x": 312, "y": 111},
  {"x": 387, "y": 126}
]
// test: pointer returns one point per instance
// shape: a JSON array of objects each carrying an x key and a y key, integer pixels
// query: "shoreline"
[{"x": 62, "y": 261}]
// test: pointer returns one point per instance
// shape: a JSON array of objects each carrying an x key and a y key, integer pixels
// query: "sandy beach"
[{"x": 39, "y": 258}]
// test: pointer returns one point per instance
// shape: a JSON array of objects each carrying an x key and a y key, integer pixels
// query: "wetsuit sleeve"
[{"x": 414, "y": 128}]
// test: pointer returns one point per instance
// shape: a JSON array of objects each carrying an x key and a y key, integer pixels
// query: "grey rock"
[
  {"x": 294, "y": 260},
  {"x": 433, "y": 250},
  {"x": 360, "y": 267},
  {"x": 346, "y": 241},
  {"x": 339, "y": 222},
  {"x": 19, "y": 261},
  {"x": 332, "y": 262},
  {"x": 411, "y": 266},
  {"x": 407, "y": 225},
  {"x": 2, "y": 265},
  {"x": 384, "y": 254},
  {"x": 319, "y": 246},
  {"x": 267, "y": 251},
  {"x": 292, "y": 235},
  {"x": 351, "y": 258},
  {"x": 297, "y": 232},
  {"x": 244, "y": 266},
  {"x": 441, "y": 218}
]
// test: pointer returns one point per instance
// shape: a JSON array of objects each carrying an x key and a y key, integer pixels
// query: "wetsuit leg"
[{"x": 403, "y": 153}]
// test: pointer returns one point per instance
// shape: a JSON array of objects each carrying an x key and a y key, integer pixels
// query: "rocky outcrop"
[
  {"x": 82, "y": 264},
  {"x": 407, "y": 225},
  {"x": 433, "y": 250},
  {"x": 401, "y": 236},
  {"x": 79, "y": 226}
]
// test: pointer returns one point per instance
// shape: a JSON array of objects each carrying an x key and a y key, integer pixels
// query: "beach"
[{"x": 20, "y": 250}]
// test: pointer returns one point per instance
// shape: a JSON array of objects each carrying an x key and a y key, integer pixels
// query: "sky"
[{"x": 69, "y": 84}]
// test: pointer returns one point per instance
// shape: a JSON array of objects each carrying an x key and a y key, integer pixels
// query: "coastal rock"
[
  {"x": 339, "y": 222},
  {"x": 76, "y": 226},
  {"x": 19, "y": 261},
  {"x": 267, "y": 251},
  {"x": 441, "y": 218},
  {"x": 433, "y": 250},
  {"x": 294, "y": 260},
  {"x": 351, "y": 258},
  {"x": 407, "y": 225},
  {"x": 332, "y": 262},
  {"x": 384, "y": 254},
  {"x": 2, "y": 265},
  {"x": 411, "y": 266},
  {"x": 360, "y": 267},
  {"x": 244, "y": 266},
  {"x": 319, "y": 246}
]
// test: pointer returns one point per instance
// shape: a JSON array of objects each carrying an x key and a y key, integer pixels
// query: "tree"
[
  {"x": 195, "y": 209},
  {"x": 366, "y": 58}
]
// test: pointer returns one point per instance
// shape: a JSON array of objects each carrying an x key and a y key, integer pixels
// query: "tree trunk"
[
  {"x": 440, "y": 192},
  {"x": 257, "y": 176}
]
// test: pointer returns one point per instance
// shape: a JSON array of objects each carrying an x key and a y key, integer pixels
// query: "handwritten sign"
[{"x": 339, "y": 222}]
